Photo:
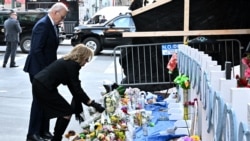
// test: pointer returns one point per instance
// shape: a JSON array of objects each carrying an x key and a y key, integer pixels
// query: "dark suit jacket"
[
  {"x": 44, "y": 44},
  {"x": 12, "y": 29},
  {"x": 64, "y": 72}
]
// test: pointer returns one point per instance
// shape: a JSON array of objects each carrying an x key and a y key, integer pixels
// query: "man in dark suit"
[
  {"x": 44, "y": 44},
  {"x": 12, "y": 29}
]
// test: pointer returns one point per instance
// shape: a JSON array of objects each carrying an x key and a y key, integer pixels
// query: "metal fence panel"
[
  {"x": 69, "y": 26},
  {"x": 145, "y": 64}
]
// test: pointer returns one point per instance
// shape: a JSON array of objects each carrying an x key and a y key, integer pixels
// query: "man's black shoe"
[
  {"x": 4, "y": 66},
  {"x": 34, "y": 138},
  {"x": 46, "y": 135},
  {"x": 13, "y": 66}
]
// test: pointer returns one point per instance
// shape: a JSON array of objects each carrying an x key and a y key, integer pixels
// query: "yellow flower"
[{"x": 195, "y": 138}]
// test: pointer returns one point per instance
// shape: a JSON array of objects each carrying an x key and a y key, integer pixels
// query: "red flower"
[
  {"x": 172, "y": 63},
  {"x": 237, "y": 76},
  {"x": 190, "y": 103},
  {"x": 242, "y": 82}
]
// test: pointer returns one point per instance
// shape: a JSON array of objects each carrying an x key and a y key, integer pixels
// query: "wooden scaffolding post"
[{"x": 186, "y": 19}]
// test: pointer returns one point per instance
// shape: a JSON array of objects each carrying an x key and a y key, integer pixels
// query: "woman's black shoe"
[
  {"x": 34, "y": 138},
  {"x": 13, "y": 66}
]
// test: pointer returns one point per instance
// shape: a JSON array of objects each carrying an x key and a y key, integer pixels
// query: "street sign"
[{"x": 169, "y": 49}]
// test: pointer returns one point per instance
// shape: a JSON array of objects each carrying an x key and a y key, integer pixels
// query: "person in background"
[
  {"x": 63, "y": 71},
  {"x": 43, "y": 51},
  {"x": 12, "y": 29},
  {"x": 103, "y": 20},
  {"x": 86, "y": 16}
]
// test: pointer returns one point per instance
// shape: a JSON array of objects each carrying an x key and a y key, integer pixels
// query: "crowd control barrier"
[{"x": 145, "y": 64}]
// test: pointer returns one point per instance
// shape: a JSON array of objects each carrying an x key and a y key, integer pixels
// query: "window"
[
  {"x": 122, "y": 22},
  {"x": 30, "y": 18},
  {"x": 3, "y": 17}
]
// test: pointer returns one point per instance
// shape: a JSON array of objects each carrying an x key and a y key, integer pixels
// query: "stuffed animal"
[
  {"x": 70, "y": 133},
  {"x": 150, "y": 98}
]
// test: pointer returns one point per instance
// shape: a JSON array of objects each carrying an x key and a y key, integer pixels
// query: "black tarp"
[{"x": 204, "y": 15}]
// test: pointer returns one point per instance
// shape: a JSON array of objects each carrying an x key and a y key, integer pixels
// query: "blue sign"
[{"x": 169, "y": 49}]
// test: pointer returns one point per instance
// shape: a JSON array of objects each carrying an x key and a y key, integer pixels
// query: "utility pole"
[
  {"x": 95, "y": 5},
  {"x": 13, "y": 4}
]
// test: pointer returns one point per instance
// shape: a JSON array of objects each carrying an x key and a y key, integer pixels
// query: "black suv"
[
  {"x": 27, "y": 20},
  {"x": 105, "y": 35}
]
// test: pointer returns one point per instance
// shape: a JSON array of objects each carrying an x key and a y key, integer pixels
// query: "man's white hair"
[{"x": 58, "y": 6}]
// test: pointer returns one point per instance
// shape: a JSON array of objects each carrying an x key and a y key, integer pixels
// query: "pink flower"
[
  {"x": 247, "y": 73},
  {"x": 246, "y": 61},
  {"x": 187, "y": 138}
]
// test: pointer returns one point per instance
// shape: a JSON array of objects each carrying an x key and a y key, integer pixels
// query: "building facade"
[{"x": 87, "y": 8}]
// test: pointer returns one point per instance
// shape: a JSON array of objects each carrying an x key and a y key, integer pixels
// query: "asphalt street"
[{"x": 16, "y": 96}]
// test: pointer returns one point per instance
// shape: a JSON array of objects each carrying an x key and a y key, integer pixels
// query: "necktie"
[{"x": 56, "y": 30}]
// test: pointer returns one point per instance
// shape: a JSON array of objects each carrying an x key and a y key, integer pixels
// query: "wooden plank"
[
  {"x": 187, "y": 33},
  {"x": 186, "y": 18},
  {"x": 148, "y": 7}
]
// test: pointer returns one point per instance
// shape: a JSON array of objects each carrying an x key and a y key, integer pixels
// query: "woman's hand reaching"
[{"x": 97, "y": 106}]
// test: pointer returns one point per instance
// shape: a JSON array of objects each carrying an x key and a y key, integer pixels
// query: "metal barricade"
[
  {"x": 145, "y": 64},
  {"x": 69, "y": 27}
]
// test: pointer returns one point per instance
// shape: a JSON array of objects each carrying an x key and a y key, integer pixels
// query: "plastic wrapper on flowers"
[
  {"x": 172, "y": 63},
  {"x": 111, "y": 102},
  {"x": 182, "y": 81}
]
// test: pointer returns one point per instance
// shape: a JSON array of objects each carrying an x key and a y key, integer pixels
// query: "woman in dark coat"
[{"x": 63, "y": 71}]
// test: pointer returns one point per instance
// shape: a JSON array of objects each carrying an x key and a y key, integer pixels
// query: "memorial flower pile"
[
  {"x": 119, "y": 120},
  {"x": 115, "y": 129}
]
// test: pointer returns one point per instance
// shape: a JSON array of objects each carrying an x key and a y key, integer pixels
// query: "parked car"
[
  {"x": 105, "y": 35},
  {"x": 27, "y": 20}
]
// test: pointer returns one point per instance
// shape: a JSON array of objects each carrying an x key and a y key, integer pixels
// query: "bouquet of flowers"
[
  {"x": 182, "y": 81},
  {"x": 246, "y": 62}
]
